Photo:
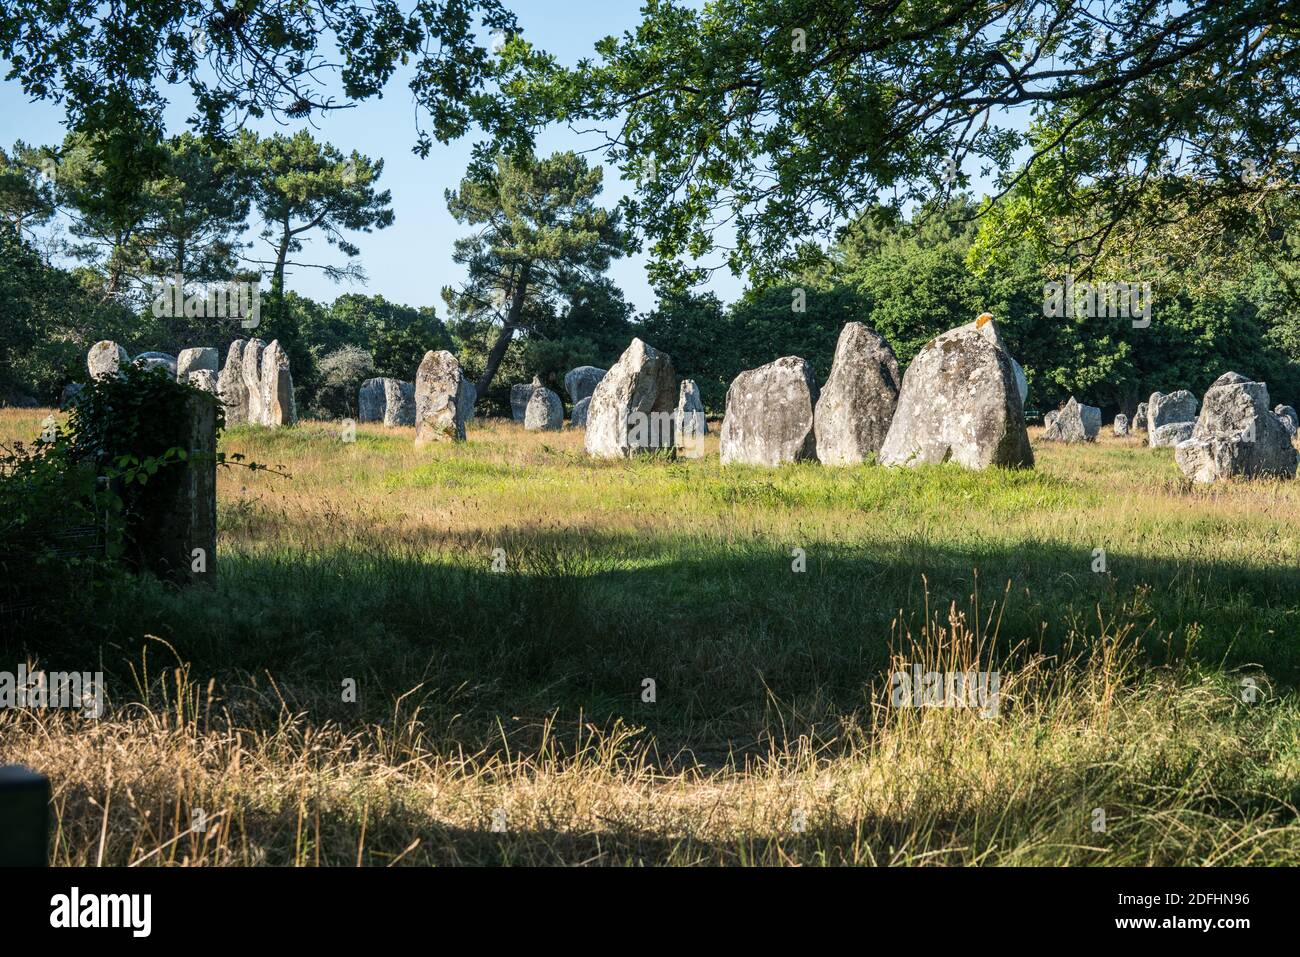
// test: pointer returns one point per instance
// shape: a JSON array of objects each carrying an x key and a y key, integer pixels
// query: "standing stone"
[
  {"x": 632, "y": 408},
  {"x": 545, "y": 411},
  {"x": 231, "y": 387},
  {"x": 857, "y": 403},
  {"x": 1237, "y": 435},
  {"x": 251, "y": 364},
  {"x": 690, "y": 425},
  {"x": 770, "y": 415},
  {"x": 1176, "y": 409},
  {"x": 175, "y": 535},
  {"x": 71, "y": 395},
  {"x": 399, "y": 402},
  {"x": 988, "y": 327},
  {"x": 204, "y": 379},
  {"x": 959, "y": 402},
  {"x": 1288, "y": 415},
  {"x": 278, "y": 406},
  {"x": 1121, "y": 424},
  {"x": 192, "y": 360},
  {"x": 1074, "y": 422},
  {"x": 519, "y": 396},
  {"x": 581, "y": 382},
  {"x": 468, "y": 399},
  {"x": 1049, "y": 419},
  {"x": 578, "y": 418},
  {"x": 156, "y": 360},
  {"x": 1140, "y": 418},
  {"x": 105, "y": 357},
  {"x": 372, "y": 400},
  {"x": 438, "y": 399}
]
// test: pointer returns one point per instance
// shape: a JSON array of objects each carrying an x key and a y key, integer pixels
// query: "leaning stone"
[
  {"x": 1075, "y": 422},
  {"x": 1169, "y": 409},
  {"x": 230, "y": 384},
  {"x": 519, "y": 396},
  {"x": 156, "y": 360},
  {"x": 856, "y": 406},
  {"x": 581, "y": 382},
  {"x": 631, "y": 410},
  {"x": 105, "y": 358},
  {"x": 1237, "y": 435},
  {"x": 439, "y": 384},
  {"x": 545, "y": 411},
  {"x": 770, "y": 415},
  {"x": 578, "y": 418},
  {"x": 959, "y": 402},
  {"x": 277, "y": 400},
  {"x": 1121, "y": 424},
  {"x": 192, "y": 360}
]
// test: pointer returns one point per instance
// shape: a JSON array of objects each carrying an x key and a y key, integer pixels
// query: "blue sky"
[{"x": 410, "y": 261}]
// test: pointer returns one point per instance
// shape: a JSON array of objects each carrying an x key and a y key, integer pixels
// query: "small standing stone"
[
  {"x": 277, "y": 400},
  {"x": 690, "y": 423},
  {"x": 545, "y": 411},
  {"x": 578, "y": 418},
  {"x": 1121, "y": 424},
  {"x": 581, "y": 382},
  {"x": 519, "y": 396},
  {"x": 438, "y": 399},
  {"x": 105, "y": 358},
  {"x": 231, "y": 386}
]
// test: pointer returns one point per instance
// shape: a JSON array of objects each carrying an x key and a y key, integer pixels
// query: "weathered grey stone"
[
  {"x": 251, "y": 366},
  {"x": 277, "y": 401},
  {"x": 231, "y": 388},
  {"x": 372, "y": 400},
  {"x": 1288, "y": 414},
  {"x": 988, "y": 327},
  {"x": 399, "y": 404},
  {"x": 1121, "y": 424},
  {"x": 1165, "y": 410},
  {"x": 204, "y": 379},
  {"x": 581, "y": 382},
  {"x": 1049, "y": 418},
  {"x": 1140, "y": 418},
  {"x": 520, "y": 393},
  {"x": 690, "y": 425},
  {"x": 439, "y": 384},
  {"x": 770, "y": 415},
  {"x": 1237, "y": 435},
  {"x": 105, "y": 357},
  {"x": 578, "y": 417},
  {"x": 856, "y": 404},
  {"x": 545, "y": 411},
  {"x": 71, "y": 395},
  {"x": 1074, "y": 422},
  {"x": 631, "y": 410},
  {"x": 192, "y": 360},
  {"x": 156, "y": 360},
  {"x": 468, "y": 399},
  {"x": 959, "y": 402},
  {"x": 1170, "y": 435}
]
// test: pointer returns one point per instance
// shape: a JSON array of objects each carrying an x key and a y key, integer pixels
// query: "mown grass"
[{"x": 514, "y": 698}]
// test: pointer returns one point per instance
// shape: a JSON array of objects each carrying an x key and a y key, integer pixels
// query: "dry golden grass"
[{"x": 500, "y": 718}]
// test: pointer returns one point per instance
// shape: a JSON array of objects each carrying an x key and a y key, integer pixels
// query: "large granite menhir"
[
  {"x": 770, "y": 413},
  {"x": 960, "y": 402},
  {"x": 1237, "y": 435},
  {"x": 632, "y": 409},
  {"x": 439, "y": 399},
  {"x": 856, "y": 405}
]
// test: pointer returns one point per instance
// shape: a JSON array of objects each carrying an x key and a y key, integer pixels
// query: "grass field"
[{"x": 1148, "y": 714}]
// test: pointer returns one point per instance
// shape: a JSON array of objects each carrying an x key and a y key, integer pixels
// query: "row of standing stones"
[
  {"x": 1234, "y": 435},
  {"x": 255, "y": 384}
]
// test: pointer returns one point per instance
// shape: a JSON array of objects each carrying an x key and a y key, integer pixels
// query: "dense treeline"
[{"x": 908, "y": 278}]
